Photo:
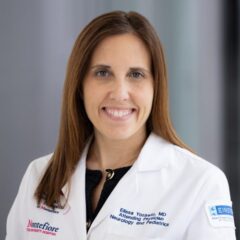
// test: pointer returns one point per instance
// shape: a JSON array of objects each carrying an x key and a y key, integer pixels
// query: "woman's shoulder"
[
  {"x": 180, "y": 158},
  {"x": 181, "y": 161},
  {"x": 39, "y": 164},
  {"x": 36, "y": 168},
  {"x": 197, "y": 166},
  {"x": 192, "y": 158}
]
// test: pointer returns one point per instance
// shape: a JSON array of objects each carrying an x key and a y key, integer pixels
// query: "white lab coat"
[{"x": 167, "y": 194}]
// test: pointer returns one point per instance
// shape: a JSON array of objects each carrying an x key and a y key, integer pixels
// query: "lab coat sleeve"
[
  {"x": 15, "y": 228},
  {"x": 201, "y": 227}
]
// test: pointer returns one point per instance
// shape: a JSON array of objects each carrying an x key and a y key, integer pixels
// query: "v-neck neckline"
[{"x": 93, "y": 177}]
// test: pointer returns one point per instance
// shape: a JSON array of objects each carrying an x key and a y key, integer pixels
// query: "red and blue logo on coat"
[{"x": 44, "y": 228}]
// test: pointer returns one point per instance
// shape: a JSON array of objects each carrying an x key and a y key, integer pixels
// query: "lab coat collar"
[
  {"x": 155, "y": 154},
  {"x": 80, "y": 169},
  {"x": 76, "y": 195}
]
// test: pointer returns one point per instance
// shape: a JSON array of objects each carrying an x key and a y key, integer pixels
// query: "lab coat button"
[{"x": 110, "y": 174}]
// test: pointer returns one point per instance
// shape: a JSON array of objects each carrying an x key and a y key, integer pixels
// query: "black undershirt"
[{"x": 93, "y": 177}]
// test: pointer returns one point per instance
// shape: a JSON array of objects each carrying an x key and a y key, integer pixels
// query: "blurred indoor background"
[{"x": 201, "y": 42}]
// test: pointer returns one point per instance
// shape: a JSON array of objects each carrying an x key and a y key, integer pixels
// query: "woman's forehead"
[{"x": 124, "y": 49}]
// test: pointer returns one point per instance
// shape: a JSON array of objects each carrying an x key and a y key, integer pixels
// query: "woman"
[{"x": 119, "y": 171}]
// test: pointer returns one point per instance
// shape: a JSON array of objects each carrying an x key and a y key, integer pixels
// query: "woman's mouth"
[{"x": 118, "y": 113}]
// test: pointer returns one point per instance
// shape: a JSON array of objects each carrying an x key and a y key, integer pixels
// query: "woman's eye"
[
  {"x": 136, "y": 74},
  {"x": 101, "y": 73}
]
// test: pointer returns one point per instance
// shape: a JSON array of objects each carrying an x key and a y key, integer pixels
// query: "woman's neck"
[{"x": 110, "y": 153}]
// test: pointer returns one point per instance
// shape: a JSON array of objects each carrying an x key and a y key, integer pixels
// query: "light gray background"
[{"x": 36, "y": 38}]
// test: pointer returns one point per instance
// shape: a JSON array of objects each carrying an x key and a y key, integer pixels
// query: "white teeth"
[{"x": 118, "y": 113}]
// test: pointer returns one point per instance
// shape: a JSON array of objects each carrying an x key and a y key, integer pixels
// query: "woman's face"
[{"x": 118, "y": 87}]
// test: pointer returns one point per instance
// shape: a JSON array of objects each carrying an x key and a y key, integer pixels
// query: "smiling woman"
[{"x": 119, "y": 170}]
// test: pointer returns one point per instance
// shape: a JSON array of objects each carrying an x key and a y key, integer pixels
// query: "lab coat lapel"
[
  {"x": 155, "y": 154},
  {"x": 76, "y": 200},
  {"x": 127, "y": 186}
]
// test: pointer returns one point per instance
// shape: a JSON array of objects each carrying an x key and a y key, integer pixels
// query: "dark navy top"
[{"x": 93, "y": 178}]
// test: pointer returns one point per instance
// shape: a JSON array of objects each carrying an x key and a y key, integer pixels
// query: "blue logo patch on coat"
[
  {"x": 221, "y": 210},
  {"x": 220, "y": 213}
]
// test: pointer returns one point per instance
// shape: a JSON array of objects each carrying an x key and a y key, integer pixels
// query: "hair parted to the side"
[{"x": 75, "y": 127}]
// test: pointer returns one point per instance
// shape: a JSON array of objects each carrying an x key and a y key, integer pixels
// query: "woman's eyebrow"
[
  {"x": 139, "y": 69},
  {"x": 131, "y": 68},
  {"x": 101, "y": 66}
]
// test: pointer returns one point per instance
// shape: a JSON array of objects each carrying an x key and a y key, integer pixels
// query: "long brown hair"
[{"x": 75, "y": 127}]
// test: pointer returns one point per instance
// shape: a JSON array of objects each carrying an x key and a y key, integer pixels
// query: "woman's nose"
[{"x": 119, "y": 91}]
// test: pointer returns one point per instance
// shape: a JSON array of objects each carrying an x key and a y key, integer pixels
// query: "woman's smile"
[{"x": 118, "y": 114}]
